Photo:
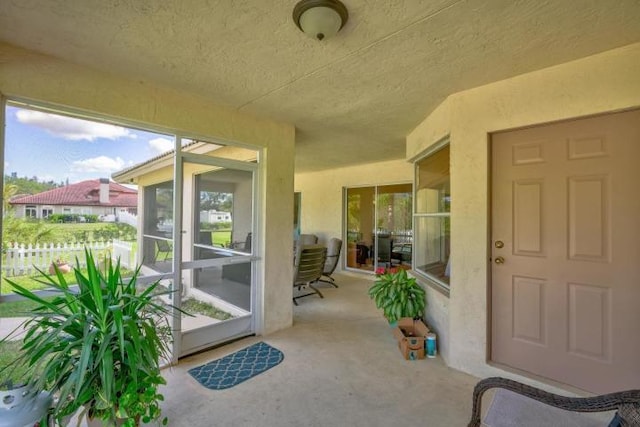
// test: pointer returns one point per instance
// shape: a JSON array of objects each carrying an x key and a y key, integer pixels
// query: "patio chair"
[
  {"x": 384, "y": 250},
  {"x": 626, "y": 403},
  {"x": 333, "y": 255},
  {"x": 242, "y": 246},
  {"x": 308, "y": 239},
  {"x": 163, "y": 247},
  {"x": 308, "y": 264}
]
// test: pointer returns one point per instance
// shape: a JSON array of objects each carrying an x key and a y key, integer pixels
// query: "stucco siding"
[
  {"x": 321, "y": 192},
  {"x": 598, "y": 84}
]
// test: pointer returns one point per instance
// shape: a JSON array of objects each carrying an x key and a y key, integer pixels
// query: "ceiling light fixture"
[{"x": 320, "y": 19}]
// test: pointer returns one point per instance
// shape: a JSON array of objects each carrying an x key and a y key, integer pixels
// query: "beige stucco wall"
[
  {"x": 601, "y": 83},
  {"x": 321, "y": 192},
  {"x": 322, "y": 195},
  {"x": 38, "y": 77},
  {"x": 321, "y": 214}
]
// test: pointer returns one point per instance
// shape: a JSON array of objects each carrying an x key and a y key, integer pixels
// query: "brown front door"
[{"x": 565, "y": 251}]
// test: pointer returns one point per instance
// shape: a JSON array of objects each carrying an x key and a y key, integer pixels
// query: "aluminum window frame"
[{"x": 430, "y": 279}]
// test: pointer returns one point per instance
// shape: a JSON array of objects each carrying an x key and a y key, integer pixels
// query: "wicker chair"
[{"x": 626, "y": 403}]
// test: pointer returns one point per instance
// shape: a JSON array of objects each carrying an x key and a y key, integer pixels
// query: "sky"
[{"x": 54, "y": 147}]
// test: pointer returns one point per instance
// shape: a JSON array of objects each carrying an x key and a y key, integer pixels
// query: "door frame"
[
  {"x": 345, "y": 225},
  {"x": 489, "y": 244},
  {"x": 196, "y": 340}
]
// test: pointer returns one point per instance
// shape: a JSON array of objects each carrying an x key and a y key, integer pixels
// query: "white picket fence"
[
  {"x": 125, "y": 252},
  {"x": 128, "y": 218},
  {"x": 21, "y": 259}
]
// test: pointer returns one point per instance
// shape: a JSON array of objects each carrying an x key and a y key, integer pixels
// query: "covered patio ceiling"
[{"x": 352, "y": 98}]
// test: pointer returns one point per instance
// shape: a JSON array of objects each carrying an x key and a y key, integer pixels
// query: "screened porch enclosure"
[{"x": 198, "y": 227}]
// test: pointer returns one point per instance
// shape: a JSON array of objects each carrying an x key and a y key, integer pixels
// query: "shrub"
[
  {"x": 398, "y": 295},
  {"x": 69, "y": 217}
]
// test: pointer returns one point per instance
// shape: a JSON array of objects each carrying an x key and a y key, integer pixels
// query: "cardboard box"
[{"x": 411, "y": 336}]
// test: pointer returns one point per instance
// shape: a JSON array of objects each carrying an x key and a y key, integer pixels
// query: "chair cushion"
[{"x": 616, "y": 421}]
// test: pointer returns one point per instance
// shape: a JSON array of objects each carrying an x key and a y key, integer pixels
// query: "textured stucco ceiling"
[{"x": 353, "y": 98}]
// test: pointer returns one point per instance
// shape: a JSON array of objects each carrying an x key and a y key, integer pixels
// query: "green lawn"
[
  {"x": 32, "y": 282},
  {"x": 190, "y": 305},
  {"x": 193, "y": 306},
  {"x": 75, "y": 226},
  {"x": 17, "y": 308},
  {"x": 9, "y": 370},
  {"x": 35, "y": 281},
  {"x": 83, "y": 232},
  {"x": 221, "y": 237}
]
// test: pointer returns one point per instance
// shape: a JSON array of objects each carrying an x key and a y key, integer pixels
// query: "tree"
[
  {"x": 19, "y": 230},
  {"x": 28, "y": 185},
  {"x": 215, "y": 201},
  {"x": 8, "y": 192}
]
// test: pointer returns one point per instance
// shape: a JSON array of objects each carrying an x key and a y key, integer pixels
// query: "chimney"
[{"x": 104, "y": 190}]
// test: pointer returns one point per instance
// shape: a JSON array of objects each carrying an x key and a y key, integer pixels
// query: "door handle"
[
  {"x": 499, "y": 244},
  {"x": 499, "y": 260}
]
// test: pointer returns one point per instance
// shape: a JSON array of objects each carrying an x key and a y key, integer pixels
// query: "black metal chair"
[
  {"x": 242, "y": 246},
  {"x": 384, "y": 250},
  {"x": 163, "y": 247},
  {"x": 333, "y": 255},
  {"x": 308, "y": 264},
  {"x": 626, "y": 403}
]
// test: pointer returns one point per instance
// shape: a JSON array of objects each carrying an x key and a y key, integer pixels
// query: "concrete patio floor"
[{"x": 341, "y": 368}]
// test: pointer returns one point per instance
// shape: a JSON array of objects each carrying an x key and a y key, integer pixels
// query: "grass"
[
  {"x": 221, "y": 237},
  {"x": 32, "y": 282},
  {"x": 74, "y": 226},
  {"x": 24, "y": 308},
  {"x": 194, "y": 306},
  {"x": 60, "y": 232},
  {"x": 9, "y": 370},
  {"x": 18, "y": 308}
]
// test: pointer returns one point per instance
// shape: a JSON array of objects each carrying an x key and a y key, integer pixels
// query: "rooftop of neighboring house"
[{"x": 84, "y": 193}]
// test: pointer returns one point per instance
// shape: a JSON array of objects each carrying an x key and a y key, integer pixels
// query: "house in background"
[
  {"x": 92, "y": 197},
  {"x": 215, "y": 216}
]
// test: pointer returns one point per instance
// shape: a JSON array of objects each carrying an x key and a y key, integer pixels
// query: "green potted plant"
[
  {"x": 398, "y": 295},
  {"x": 98, "y": 348}
]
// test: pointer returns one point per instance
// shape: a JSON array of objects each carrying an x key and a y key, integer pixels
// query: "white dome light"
[{"x": 320, "y": 19}]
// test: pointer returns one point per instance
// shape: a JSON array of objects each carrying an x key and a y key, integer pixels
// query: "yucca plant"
[
  {"x": 398, "y": 295},
  {"x": 98, "y": 348}
]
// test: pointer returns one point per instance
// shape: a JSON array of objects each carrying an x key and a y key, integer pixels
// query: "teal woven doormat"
[{"x": 237, "y": 367}]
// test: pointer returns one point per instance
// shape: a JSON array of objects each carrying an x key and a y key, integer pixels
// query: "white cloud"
[
  {"x": 161, "y": 145},
  {"x": 98, "y": 164},
  {"x": 71, "y": 128}
]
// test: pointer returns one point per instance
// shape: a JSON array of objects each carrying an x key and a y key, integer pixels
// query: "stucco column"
[{"x": 277, "y": 232}]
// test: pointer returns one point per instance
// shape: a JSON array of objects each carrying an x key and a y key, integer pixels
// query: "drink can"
[{"x": 431, "y": 345}]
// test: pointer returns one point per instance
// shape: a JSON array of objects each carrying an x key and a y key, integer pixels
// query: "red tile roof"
[{"x": 85, "y": 193}]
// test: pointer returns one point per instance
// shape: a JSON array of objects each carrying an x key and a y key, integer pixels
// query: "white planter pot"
[
  {"x": 21, "y": 407},
  {"x": 10, "y": 399}
]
